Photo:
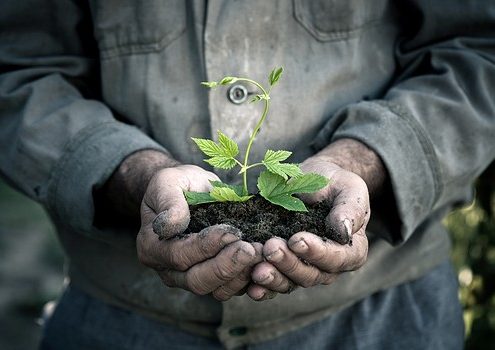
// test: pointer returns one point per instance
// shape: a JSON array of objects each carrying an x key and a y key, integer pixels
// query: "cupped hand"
[
  {"x": 214, "y": 260},
  {"x": 307, "y": 260}
]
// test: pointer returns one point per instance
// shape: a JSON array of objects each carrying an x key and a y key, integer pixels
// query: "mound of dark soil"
[{"x": 260, "y": 220}]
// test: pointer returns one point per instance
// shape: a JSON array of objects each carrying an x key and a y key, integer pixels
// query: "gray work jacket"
[{"x": 84, "y": 84}]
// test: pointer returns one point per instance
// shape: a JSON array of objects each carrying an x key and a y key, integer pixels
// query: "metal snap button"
[{"x": 238, "y": 94}]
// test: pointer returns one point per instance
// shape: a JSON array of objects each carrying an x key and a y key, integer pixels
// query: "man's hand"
[
  {"x": 214, "y": 260},
  {"x": 307, "y": 260}
]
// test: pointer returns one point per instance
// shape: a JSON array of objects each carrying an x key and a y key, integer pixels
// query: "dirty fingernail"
[
  {"x": 276, "y": 256},
  {"x": 260, "y": 297},
  {"x": 270, "y": 295},
  {"x": 158, "y": 223},
  {"x": 348, "y": 228},
  {"x": 243, "y": 256},
  {"x": 228, "y": 238},
  {"x": 265, "y": 279},
  {"x": 300, "y": 246}
]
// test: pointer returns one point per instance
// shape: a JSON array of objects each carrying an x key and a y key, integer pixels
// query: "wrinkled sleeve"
[
  {"x": 435, "y": 126},
  {"x": 57, "y": 141}
]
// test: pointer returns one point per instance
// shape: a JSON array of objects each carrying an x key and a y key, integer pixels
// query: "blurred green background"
[{"x": 31, "y": 268}]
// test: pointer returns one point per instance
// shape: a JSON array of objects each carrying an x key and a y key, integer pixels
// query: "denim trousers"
[{"x": 422, "y": 314}]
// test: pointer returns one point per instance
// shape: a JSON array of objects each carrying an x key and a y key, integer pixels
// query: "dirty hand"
[
  {"x": 307, "y": 260},
  {"x": 214, "y": 260}
]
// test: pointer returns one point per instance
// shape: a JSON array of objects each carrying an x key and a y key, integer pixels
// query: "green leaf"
[
  {"x": 208, "y": 147},
  {"x": 275, "y": 75},
  {"x": 225, "y": 194},
  {"x": 272, "y": 163},
  {"x": 259, "y": 97},
  {"x": 276, "y": 190},
  {"x": 195, "y": 198},
  {"x": 228, "y": 80},
  {"x": 221, "y": 162},
  {"x": 285, "y": 170},
  {"x": 229, "y": 147},
  {"x": 236, "y": 188},
  {"x": 307, "y": 183},
  {"x": 255, "y": 98},
  {"x": 210, "y": 84},
  {"x": 276, "y": 156},
  {"x": 222, "y": 154}
]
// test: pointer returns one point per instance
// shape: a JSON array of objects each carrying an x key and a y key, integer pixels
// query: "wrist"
[
  {"x": 122, "y": 194},
  {"x": 353, "y": 155}
]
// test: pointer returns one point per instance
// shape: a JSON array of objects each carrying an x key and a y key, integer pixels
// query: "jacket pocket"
[
  {"x": 330, "y": 20},
  {"x": 125, "y": 27}
]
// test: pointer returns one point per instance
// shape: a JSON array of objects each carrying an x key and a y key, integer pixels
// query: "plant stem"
[
  {"x": 244, "y": 169},
  {"x": 255, "y": 131}
]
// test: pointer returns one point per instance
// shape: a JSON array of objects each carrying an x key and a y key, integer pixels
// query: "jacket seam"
[
  {"x": 141, "y": 48},
  {"x": 423, "y": 139},
  {"x": 60, "y": 171}
]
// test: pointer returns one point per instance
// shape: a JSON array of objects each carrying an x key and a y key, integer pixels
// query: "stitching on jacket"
[
  {"x": 334, "y": 35},
  {"x": 141, "y": 48}
]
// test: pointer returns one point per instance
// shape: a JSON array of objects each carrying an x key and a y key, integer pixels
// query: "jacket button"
[{"x": 238, "y": 94}]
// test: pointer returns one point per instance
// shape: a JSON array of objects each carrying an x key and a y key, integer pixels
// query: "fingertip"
[
  {"x": 298, "y": 246},
  {"x": 339, "y": 229},
  {"x": 259, "y": 293},
  {"x": 171, "y": 222},
  {"x": 244, "y": 254},
  {"x": 272, "y": 245},
  {"x": 228, "y": 234},
  {"x": 258, "y": 248}
]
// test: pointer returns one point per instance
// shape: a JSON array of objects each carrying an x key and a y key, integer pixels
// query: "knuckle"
[
  {"x": 309, "y": 281},
  {"x": 291, "y": 266},
  {"x": 178, "y": 260},
  {"x": 223, "y": 273},
  {"x": 207, "y": 246},
  {"x": 221, "y": 294},
  {"x": 318, "y": 256},
  {"x": 194, "y": 285},
  {"x": 306, "y": 283}
]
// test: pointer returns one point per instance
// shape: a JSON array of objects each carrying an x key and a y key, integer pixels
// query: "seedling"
[{"x": 277, "y": 184}]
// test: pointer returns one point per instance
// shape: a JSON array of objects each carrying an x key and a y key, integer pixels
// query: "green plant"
[{"x": 277, "y": 184}]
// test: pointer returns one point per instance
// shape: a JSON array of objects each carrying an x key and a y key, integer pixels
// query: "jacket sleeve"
[
  {"x": 435, "y": 126},
  {"x": 57, "y": 141}
]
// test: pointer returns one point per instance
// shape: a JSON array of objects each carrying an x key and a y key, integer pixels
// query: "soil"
[{"x": 260, "y": 220}]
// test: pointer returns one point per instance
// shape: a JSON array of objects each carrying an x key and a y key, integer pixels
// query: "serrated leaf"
[
  {"x": 285, "y": 170},
  {"x": 276, "y": 190},
  {"x": 307, "y": 183},
  {"x": 208, "y": 147},
  {"x": 195, "y": 198},
  {"x": 222, "y": 153},
  {"x": 225, "y": 194},
  {"x": 228, "y": 80},
  {"x": 276, "y": 156},
  {"x": 229, "y": 147},
  {"x": 210, "y": 84},
  {"x": 272, "y": 161},
  {"x": 221, "y": 162},
  {"x": 236, "y": 188},
  {"x": 275, "y": 75}
]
